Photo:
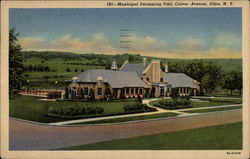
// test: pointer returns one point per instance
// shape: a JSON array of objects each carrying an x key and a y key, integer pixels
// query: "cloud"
[
  {"x": 98, "y": 44},
  {"x": 145, "y": 44},
  {"x": 191, "y": 44},
  {"x": 222, "y": 46},
  {"x": 227, "y": 41},
  {"x": 31, "y": 42}
]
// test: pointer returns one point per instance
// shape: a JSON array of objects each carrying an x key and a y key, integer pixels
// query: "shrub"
[
  {"x": 99, "y": 110},
  {"x": 139, "y": 99},
  {"x": 74, "y": 110},
  {"x": 174, "y": 104}
]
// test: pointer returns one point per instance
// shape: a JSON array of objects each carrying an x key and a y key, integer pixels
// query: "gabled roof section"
[
  {"x": 180, "y": 80},
  {"x": 116, "y": 79},
  {"x": 137, "y": 67}
]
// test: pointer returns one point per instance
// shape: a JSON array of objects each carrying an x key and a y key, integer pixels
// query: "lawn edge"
[{"x": 128, "y": 122}]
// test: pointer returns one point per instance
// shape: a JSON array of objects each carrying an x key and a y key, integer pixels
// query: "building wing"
[{"x": 180, "y": 80}]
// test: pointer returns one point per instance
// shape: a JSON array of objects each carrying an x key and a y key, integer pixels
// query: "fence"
[{"x": 41, "y": 93}]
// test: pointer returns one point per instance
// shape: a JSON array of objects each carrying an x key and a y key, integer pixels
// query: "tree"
[
  {"x": 80, "y": 93},
  {"x": 16, "y": 68},
  {"x": 66, "y": 95},
  {"x": 197, "y": 70},
  {"x": 230, "y": 81},
  {"x": 213, "y": 76},
  {"x": 91, "y": 94},
  {"x": 107, "y": 93},
  {"x": 239, "y": 82},
  {"x": 114, "y": 93},
  {"x": 68, "y": 70}
]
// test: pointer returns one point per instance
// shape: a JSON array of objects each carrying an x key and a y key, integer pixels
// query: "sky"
[{"x": 160, "y": 32}]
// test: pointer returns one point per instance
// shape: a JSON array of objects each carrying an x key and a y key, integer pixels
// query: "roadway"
[{"x": 32, "y": 136}]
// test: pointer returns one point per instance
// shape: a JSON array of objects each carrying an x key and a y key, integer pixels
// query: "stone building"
[{"x": 131, "y": 80}]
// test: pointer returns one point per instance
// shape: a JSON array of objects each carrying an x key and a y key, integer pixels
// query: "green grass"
[
  {"x": 134, "y": 118},
  {"x": 221, "y": 137},
  {"x": 38, "y": 80},
  {"x": 196, "y": 104},
  {"x": 212, "y": 109},
  {"x": 30, "y": 108}
]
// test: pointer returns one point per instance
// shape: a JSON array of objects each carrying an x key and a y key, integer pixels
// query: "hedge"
[
  {"x": 174, "y": 104},
  {"x": 74, "y": 110}
]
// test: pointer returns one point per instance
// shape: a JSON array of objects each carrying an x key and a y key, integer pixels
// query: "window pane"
[{"x": 99, "y": 91}]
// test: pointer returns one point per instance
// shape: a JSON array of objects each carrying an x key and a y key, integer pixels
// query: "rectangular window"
[
  {"x": 86, "y": 91},
  {"x": 99, "y": 91}
]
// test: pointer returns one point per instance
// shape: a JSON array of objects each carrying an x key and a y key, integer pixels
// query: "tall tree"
[
  {"x": 16, "y": 67},
  {"x": 195, "y": 69},
  {"x": 230, "y": 81},
  {"x": 213, "y": 76}
]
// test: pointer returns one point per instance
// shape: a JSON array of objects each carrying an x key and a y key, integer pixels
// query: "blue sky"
[{"x": 162, "y": 32}]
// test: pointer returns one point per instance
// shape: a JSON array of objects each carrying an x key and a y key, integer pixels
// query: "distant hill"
[{"x": 104, "y": 59}]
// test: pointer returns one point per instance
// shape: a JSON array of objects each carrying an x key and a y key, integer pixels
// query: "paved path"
[
  {"x": 159, "y": 110},
  {"x": 31, "y": 136}
]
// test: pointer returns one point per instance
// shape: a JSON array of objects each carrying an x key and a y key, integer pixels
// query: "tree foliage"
[
  {"x": 91, "y": 94},
  {"x": 16, "y": 67},
  {"x": 232, "y": 81},
  {"x": 212, "y": 77}
]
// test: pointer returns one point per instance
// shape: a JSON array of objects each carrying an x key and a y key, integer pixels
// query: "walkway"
[
  {"x": 146, "y": 101},
  {"x": 31, "y": 136}
]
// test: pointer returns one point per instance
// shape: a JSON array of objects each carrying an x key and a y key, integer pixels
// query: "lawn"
[
  {"x": 196, "y": 104},
  {"x": 212, "y": 109},
  {"x": 30, "y": 108},
  {"x": 134, "y": 118},
  {"x": 221, "y": 137}
]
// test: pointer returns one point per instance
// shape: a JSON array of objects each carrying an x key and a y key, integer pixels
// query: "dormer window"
[
  {"x": 161, "y": 79},
  {"x": 147, "y": 79}
]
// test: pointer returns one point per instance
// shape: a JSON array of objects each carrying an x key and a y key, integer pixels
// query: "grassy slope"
[
  {"x": 134, "y": 118},
  {"x": 30, "y": 108},
  {"x": 220, "y": 137}
]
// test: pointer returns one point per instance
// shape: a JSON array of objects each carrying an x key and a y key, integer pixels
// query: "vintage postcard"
[{"x": 125, "y": 79}]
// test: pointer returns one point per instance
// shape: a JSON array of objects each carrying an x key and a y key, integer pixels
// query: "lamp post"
[{"x": 56, "y": 85}]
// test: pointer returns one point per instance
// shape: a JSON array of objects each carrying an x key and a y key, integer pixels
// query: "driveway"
[{"x": 31, "y": 136}]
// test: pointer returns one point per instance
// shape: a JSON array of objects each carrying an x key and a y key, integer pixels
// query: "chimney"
[
  {"x": 166, "y": 68},
  {"x": 114, "y": 65},
  {"x": 144, "y": 61}
]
